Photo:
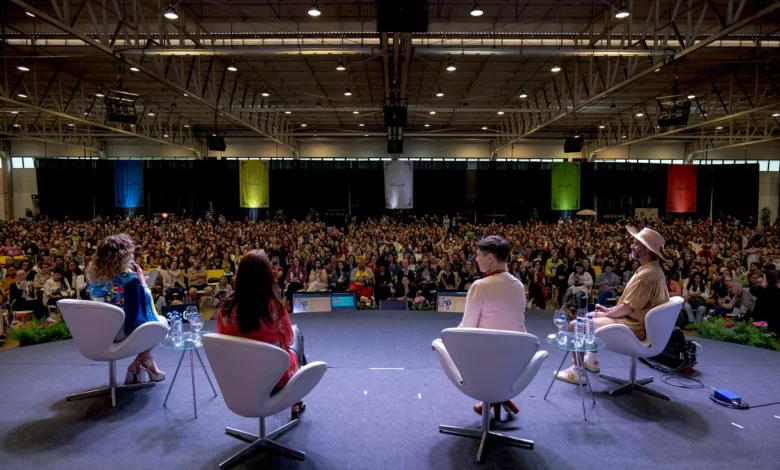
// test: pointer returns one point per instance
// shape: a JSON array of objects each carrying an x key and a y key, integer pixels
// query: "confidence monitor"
[{"x": 402, "y": 16}]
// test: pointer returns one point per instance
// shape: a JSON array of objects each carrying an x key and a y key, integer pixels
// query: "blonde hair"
[{"x": 113, "y": 255}]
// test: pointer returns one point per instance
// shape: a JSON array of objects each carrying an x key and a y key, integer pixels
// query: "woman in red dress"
[{"x": 256, "y": 311}]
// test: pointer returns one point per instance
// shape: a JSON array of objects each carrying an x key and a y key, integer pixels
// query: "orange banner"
[{"x": 681, "y": 188}]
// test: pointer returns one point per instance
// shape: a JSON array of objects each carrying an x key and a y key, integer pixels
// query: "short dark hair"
[
  {"x": 495, "y": 245},
  {"x": 771, "y": 278},
  {"x": 607, "y": 265}
]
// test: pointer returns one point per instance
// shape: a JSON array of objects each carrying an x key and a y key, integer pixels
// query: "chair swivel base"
[
  {"x": 260, "y": 443},
  {"x": 633, "y": 383},
  {"x": 485, "y": 434},
  {"x": 99, "y": 392}
]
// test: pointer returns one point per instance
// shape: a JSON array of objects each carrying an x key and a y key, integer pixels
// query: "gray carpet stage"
[{"x": 368, "y": 414}]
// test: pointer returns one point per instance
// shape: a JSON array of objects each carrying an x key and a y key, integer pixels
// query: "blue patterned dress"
[{"x": 128, "y": 293}]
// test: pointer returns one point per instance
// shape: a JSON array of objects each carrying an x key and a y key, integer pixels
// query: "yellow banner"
[{"x": 253, "y": 181}]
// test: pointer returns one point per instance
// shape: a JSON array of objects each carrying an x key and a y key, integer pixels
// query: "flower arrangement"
[
  {"x": 39, "y": 332},
  {"x": 748, "y": 333},
  {"x": 368, "y": 303},
  {"x": 420, "y": 303}
]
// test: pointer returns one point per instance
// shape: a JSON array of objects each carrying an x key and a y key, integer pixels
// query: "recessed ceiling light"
[
  {"x": 29, "y": 13},
  {"x": 314, "y": 9},
  {"x": 451, "y": 66},
  {"x": 23, "y": 67},
  {"x": 340, "y": 66},
  {"x": 288, "y": 112},
  {"x": 555, "y": 68},
  {"x": 500, "y": 113},
  {"x": 640, "y": 114},
  {"x": 622, "y": 12},
  {"x": 432, "y": 112},
  {"x": 347, "y": 92},
  {"x": 476, "y": 10},
  {"x": 440, "y": 93},
  {"x": 133, "y": 68},
  {"x": 303, "y": 124},
  {"x": 21, "y": 94},
  {"x": 523, "y": 94}
]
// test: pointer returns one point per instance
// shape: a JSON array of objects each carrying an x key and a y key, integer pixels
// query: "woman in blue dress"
[{"x": 115, "y": 279}]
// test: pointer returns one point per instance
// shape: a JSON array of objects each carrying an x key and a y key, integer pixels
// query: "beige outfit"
[
  {"x": 645, "y": 291},
  {"x": 496, "y": 302}
]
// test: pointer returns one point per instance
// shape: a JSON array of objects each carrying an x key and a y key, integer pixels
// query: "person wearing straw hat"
[
  {"x": 645, "y": 290},
  {"x": 362, "y": 280}
]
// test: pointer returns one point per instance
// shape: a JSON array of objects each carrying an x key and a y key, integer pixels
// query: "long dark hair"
[{"x": 253, "y": 294}]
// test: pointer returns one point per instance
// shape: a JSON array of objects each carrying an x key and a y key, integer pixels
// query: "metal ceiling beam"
[
  {"x": 158, "y": 77},
  {"x": 25, "y": 136},
  {"x": 648, "y": 72}
]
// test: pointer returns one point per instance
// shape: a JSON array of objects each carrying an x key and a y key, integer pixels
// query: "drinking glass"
[
  {"x": 196, "y": 323},
  {"x": 582, "y": 313}
]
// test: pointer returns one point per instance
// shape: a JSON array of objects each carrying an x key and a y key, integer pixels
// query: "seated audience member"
[
  {"x": 318, "y": 278},
  {"x": 629, "y": 273},
  {"x": 56, "y": 288},
  {"x": 296, "y": 277},
  {"x": 645, "y": 291},
  {"x": 5, "y": 284},
  {"x": 695, "y": 293},
  {"x": 393, "y": 268},
  {"x": 255, "y": 311},
  {"x": 277, "y": 269},
  {"x": 383, "y": 283},
  {"x": 447, "y": 279},
  {"x": 740, "y": 303},
  {"x": 767, "y": 301},
  {"x": 552, "y": 264},
  {"x": 362, "y": 280},
  {"x": 536, "y": 288},
  {"x": 608, "y": 283},
  {"x": 173, "y": 282},
  {"x": 21, "y": 297},
  {"x": 579, "y": 286},
  {"x": 222, "y": 289},
  {"x": 468, "y": 275},
  {"x": 10, "y": 249},
  {"x": 672, "y": 285},
  {"x": 198, "y": 279},
  {"x": 72, "y": 273},
  {"x": 111, "y": 280},
  {"x": 82, "y": 287},
  {"x": 718, "y": 288},
  {"x": 496, "y": 302},
  {"x": 406, "y": 270},
  {"x": 405, "y": 290},
  {"x": 339, "y": 280}
]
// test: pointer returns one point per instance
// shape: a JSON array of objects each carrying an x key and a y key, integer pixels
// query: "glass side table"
[
  {"x": 189, "y": 344},
  {"x": 569, "y": 347}
]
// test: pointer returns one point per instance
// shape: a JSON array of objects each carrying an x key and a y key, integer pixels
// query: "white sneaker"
[
  {"x": 570, "y": 375},
  {"x": 591, "y": 363}
]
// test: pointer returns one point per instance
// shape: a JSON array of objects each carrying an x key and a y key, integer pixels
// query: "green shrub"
[
  {"x": 39, "y": 332},
  {"x": 742, "y": 333}
]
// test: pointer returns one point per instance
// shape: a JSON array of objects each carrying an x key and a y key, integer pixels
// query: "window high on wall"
[{"x": 18, "y": 163}]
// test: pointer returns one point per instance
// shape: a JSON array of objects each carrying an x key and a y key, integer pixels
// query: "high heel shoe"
[
  {"x": 135, "y": 374},
  {"x": 297, "y": 409},
  {"x": 152, "y": 376}
]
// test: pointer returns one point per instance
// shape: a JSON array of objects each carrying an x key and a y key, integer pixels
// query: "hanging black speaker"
[
  {"x": 402, "y": 16},
  {"x": 573, "y": 144},
  {"x": 216, "y": 143}
]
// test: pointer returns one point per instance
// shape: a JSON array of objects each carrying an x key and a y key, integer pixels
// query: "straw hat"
[{"x": 649, "y": 238}]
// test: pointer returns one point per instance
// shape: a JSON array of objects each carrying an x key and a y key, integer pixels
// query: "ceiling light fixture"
[
  {"x": 658, "y": 70},
  {"x": 576, "y": 136},
  {"x": 523, "y": 95},
  {"x": 314, "y": 9},
  {"x": 355, "y": 112},
  {"x": 640, "y": 114},
  {"x": 362, "y": 125},
  {"x": 21, "y": 94},
  {"x": 170, "y": 13},
  {"x": 427, "y": 125},
  {"x": 500, "y": 113},
  {"x": 719, "y": 127},
  {"x": 440, "y": 93},
  {"x": 340, "y": 66},
  {"x": 288, "y": 112},
  {"x": 134, "y": 69},
  {"x": 99, "y": 93},
  {"x": 347, "y": 92},
  {"x": 165, "y": 136},
  {"x": 624, "y": 137},
  {"x": 265, "y": 93},
  {"x": 775, "y": 114},
  {"x": 232, "y": 67},
  {"x": 476, "y": 10},
  {"x": 451, "y": 66},
  {"x": 185, "y": 94},
  {"x": 432, "y": 113},
  {"x": 484, "y": 128},
  {"x": 70, "y": 124},
  {"x": 23, "y": 67},
  {"x": 29, "y": 13},
  {"x": 622, "y": 12},
  {"x": 303, "y": 124},
  {"x": 555, "y": 68},
  {"x": 14, "y": 112},
  {"x": 150, "y": 113},
  {"x": 691, "y": 94},
  {"x": 186, "y": 126},
  {"x": 602, "y": 126},
  {"x": 365, "y": 135},
  {"x": 16, "y": 124}
]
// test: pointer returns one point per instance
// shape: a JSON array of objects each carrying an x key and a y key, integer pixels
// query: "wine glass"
[
  {"x": 196, "y": 323},
  {"x": 560, "y": 322},
  {"x": 582, "y": 313}
]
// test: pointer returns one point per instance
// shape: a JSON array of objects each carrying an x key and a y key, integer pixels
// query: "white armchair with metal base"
[
  {"x": 491, "y": 366},
  {"x": 659, "y": 323},
  {"x": 93, "y": 326},
  {"x": 247, "y": 372}
]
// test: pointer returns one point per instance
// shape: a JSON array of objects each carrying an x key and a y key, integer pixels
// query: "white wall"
[
  {"x": 139, "y": 149},
  {"x": 646, "y": 151},
  {"x": 769, "y": 192},
  {"x": 33, "y": 148},
  {"x": 746, "y": 152}
]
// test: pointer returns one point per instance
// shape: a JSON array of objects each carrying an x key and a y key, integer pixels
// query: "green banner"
[{"x": 565, "y": 186}]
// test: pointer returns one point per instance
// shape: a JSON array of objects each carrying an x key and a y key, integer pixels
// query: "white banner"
[
  {"x": 398, "y": 185},
  {"x": 646, "y": 212}
]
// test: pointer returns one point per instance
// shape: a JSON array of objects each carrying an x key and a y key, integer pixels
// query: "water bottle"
[
  {"x": 178, "y": 331},
  {"x": 579, "y": 335},
  {"x": 561, "y": 323},
  {"x": 590, "y": 330}
]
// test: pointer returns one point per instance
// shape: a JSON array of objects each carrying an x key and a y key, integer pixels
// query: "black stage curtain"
[
  {"x": 77, "y": 189},
  {"x": 619, "y": 188},
  {"x": 735, "y": 191},
  {"x": 439, "y": 188},
  {"x": 513, "y": 189}
]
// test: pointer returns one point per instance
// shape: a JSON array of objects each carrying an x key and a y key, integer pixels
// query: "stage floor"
[{"x": 379, "y": 407}]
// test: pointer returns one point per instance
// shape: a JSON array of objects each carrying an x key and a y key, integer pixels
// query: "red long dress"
[{"x": 279, "y": 333}]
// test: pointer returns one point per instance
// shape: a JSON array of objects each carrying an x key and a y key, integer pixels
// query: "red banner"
[{"x": 681, "y": 188}]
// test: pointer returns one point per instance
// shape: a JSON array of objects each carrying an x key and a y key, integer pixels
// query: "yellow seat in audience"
[
  {"x": 3, "y": 259},
  {"x": 597, "y": 270},
  {"x": 214, "y": 274}
]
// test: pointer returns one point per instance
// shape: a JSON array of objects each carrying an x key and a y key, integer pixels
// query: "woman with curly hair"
[{"x": 115, "y": 279}]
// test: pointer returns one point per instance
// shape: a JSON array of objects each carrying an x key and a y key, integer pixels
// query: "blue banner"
[{"x": 129, "y": 183}]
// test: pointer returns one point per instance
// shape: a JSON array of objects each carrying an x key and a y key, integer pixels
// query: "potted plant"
[
  {"x": 420, "y": 303},
  {"x": 765, "y": 216}
]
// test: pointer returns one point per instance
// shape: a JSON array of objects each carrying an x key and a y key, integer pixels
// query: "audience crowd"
[{"x": 720, "y": 268}]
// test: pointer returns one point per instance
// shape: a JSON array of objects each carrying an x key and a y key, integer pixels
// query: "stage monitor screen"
[{"x": 451, "y": 302}]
